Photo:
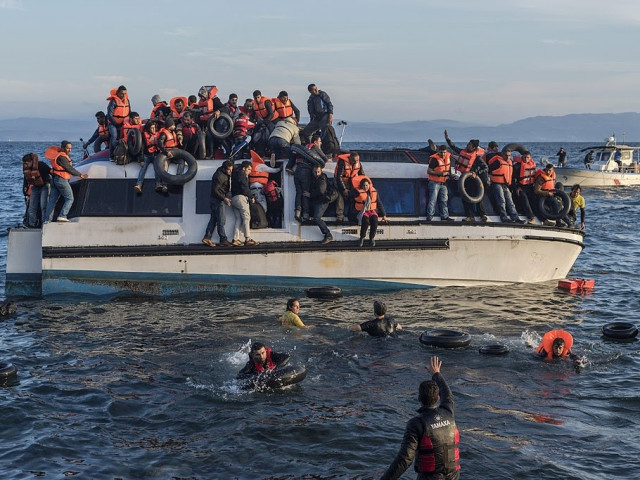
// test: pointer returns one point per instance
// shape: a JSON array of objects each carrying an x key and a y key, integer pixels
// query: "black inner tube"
[
  {"x": 466, "y": 183},
  {"x": 161, "y": 165},
  {"x": 134, "y": 141},
  {"x": 496, "y": 349},
  {"x": 222, "y": 126},
  {"x": 445, "y": 338},
  {"x": 546, "y": 210},
  {"x": 620, "y": 330},
  {"x": 323, "y": 292}
]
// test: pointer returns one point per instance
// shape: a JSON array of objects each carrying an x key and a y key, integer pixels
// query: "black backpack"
[{"x": 330, "y": 143}]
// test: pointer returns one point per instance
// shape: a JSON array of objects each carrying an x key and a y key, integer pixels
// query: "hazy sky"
[{"x": 485, "y": 61}]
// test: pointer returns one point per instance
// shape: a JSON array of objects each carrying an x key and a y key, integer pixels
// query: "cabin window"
[
  {"x": 403, "y": 197},
  {"x": 603, "y": 156},
  {"x": 203, "y": 197},
  {"x": 117, "y": 198}
]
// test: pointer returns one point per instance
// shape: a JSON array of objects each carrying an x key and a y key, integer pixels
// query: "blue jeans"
[
  {"x": 37, "y": 205},
  {"x": 59, "y": 187},
  {"x": 437, "y": 193},
  {"x": 148, "y": 160},
  {"x": 506, "y": 207},
  {"x": 114, "y": 136},
  {"x": 318, "y": 210},
  {"x": 302, "y": 181},
  {"x": 218, "y": 217}
]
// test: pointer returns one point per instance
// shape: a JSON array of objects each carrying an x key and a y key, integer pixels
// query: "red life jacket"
[
  {"x": 256, "y": 176},
  {"x": 151, "y": 142},
  {"x": 270, "y": 191},
  {"x": 443, "y": 457},
  {"x": 32, "y": 175},
  {"x": 172, "y": 104},
  {"x": 157, "y": 107},
  {"x": 189, "y": 131},
  {"x": 270, "y": 365},
  {"x": 466, "y": 159},
  {"x": 171, "y": 141},
  {"x": 241, "y": 127},
  {"x": 526, "y": 175},
  {"x": 444, "y": 165},
  {"x": 549, "y": 180},
  {"x": 504, "y": 172},
  {"x": 122, "y": 109},
  {"x": 103, "y": 131},
  {"x": 126, "y": 126}
]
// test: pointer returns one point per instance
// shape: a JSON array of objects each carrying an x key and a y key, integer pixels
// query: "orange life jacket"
[
  {"x": 256, "y": 176},
  {"x": 504, "y": 172},
  {"x": 284, "y": 109},
  {"x": 103, "y": 131},
  {"x": 53, "y": 153},
  {"x": 157, "y": 107},
  {"x": 151, "y": 142},
  {"x": 547, "y": 343},
  {"x": 362, "y": 197},
  {"x": 32, "y": 175},
  {"x": 206, "y": 105},
  {"x": 549, "y": 180},
  {"x": 126, "y": 126},
  {"x": 261, "y": 109},
  {"x": 172, "y": 104},
  {"x": 270, "y": 364},
  {"x": 466, "y": 159},
  {"x": 349, "y": 172},
  {"x": 444, "y": 165},
  {"x": 122, "y": 106},
  {"x": 171, "y": 141},
  {"x": 527, "y": 171}
]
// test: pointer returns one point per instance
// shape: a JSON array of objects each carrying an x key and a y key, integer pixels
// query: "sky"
[{"x": 484, "y": 62}]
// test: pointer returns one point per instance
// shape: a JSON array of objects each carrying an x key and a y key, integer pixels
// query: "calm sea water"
[{"x": 142, "y": 388}]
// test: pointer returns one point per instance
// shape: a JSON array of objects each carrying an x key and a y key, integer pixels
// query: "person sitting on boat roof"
[
  {"x": 588, "y": 159},
  {"x": 150, "y": 139},
  {"x": 469, "y": 159},
  {"x": 524, "y": 169},
  {"x": 303, "y": 174},
  {"x": 132, "y": 122},
  {"x": 284, "y": 134},
  {"x": 320, "y": 111},
  {"x": 348, "y": 166},
  {"x": 543, "y": 186},
  {"x": 158, "y": 103},
  {"x": 241, "y": 196},
  {"x": 501, "y": 171},
  {"x": 61, "y": 171},
  {"x": 231, "y": 106},
  {"x": 562, "y": 157},
  {"x": 556, "y": 344},
  {"x": 323, "y": 194},
  {"x": 381, "y": 326},
  {"x": 262, "y": 359},
  {"x": 209, "y": 105},
  {"x": 369, "y": 205},
  {"x": 178, "y": 106},
  {"x": 118, "y": 109},
  {"x": 193, "y": 138},
  {"x": 263, "y": 111},
  {"x": 101, "y": 134},
  {"x": 285, "y": 108},
  {"x": 438, "y": 173},
  {"x": 35, "y": 186},
  {"x": 577, "y": 201},
  {"x": 241, "y": 129},
  {"x": 290, "y": 317},
  {"x": 219, "y": 199}
]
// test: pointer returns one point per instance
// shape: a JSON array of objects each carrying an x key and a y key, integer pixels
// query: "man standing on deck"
[
  {"x": 431, "y": 437},
  {"x": 320, "y": 111}
]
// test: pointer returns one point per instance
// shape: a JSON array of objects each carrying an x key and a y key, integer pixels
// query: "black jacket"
[
  {"x": 319, "y": 104},
  {"x": 240, "y": 183},
  {"x": 322, "y": 190},
  {"x": 220, "y": 184}
]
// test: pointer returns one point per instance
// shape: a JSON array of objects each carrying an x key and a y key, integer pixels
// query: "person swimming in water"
[
  {"x": 557, "y": 344},
  {"x": 381, "y": 326}
]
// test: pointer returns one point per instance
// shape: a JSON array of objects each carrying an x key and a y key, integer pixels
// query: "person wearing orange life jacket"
[
  {"x": 132, "y": 122},
  {"x": 543, "y": 186},
  {"x": 150, "y": 136},
  {"x": 117, "y": 110},
  {"x": 36, "y": 185},
  {"x": 262, "y": 359},
  {"x": 263, "y": 112},
  {"x": 285, "y": 108},
  {"x": 158, "y": 104},
  {"x": 369, "y": 205},
  {"x": 501, "y": 171},
  {"x": 432, "y": 437},
  {"x": 178, "y": 106},
  {"x": 100, "y": 135},
  {"x": 556, "y": 344},
  {"x": 193, "y": 138},
  {"x": 438, "y": 173},
  {"x": 469, "y": 159},
  {"x": 524, "y": 169},
  {"x": 348, "y": 166},
  {"x": 61, "y": 171}
]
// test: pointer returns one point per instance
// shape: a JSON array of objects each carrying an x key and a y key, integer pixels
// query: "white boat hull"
[{"x": 596, "y": 178}]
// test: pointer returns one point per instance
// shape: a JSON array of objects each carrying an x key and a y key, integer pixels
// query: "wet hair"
[
  {"x": 257, "y": 92},
  {"x": 257, "y": 346},
  {"x": 100, "y": 114},
  {"x": 310, "y": 87},
  {"x": 64, "y": 143},
  {"x": 575, "y": 187},
  {"x": 558, "y": 342},
  {"x": 379, "y": 307},
  {"x": 429, "y": 393},
  {"x": 290, "y": 303}
]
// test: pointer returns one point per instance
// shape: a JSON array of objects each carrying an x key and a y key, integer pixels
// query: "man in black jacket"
[
  {"x": 320, "y": 111},
  {"x": 220, "y": 190},
  {"x": 322, "y": 194},
  {"x": 433, "y": 434}
]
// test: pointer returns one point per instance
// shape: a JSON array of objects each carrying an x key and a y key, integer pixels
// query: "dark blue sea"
[{"x": 143, "y": 388}]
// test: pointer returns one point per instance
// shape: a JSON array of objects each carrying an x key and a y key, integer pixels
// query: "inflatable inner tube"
[
  {"x": 515, "y": 147},
  {"x": 221, "y": 127},
  {"x": 620, "y": 330},
  {"x": 445, "y": 338},
  {"x": 495, "y": 349},
  {"x": 466, "y": 183},
  {"x": 134, "y": 141},
  {"x": 161, "y": 164},
  {"x": 7, "y": 370},
  {"x": 278, "y": 378},
  {"x": 544, "y": 205},
  {"x": 324, "y": 292},
  {"x": 311, "y": 156}
]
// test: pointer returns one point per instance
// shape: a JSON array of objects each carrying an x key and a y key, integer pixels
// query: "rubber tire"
[
  {"x": 217, "y": 122},
  {"x": 620, "y": 330},
  {"x": 566, "y": 205},
  {"x": 134, "y": 142},
  {"x": 160, "y": 163},
  {"x": 463, "y": 190},
  {"x": 445, "y": 338},
  {"x": 324, "y": 292},
  {"x": 314, "y": 160},
  {"x": 515, "y": 147},
  {"x": 278, "y": 378},
  {"x": 495, "y": 349},
  {"x": 7, "y": 370}
]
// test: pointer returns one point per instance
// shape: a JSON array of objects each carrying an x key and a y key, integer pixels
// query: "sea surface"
[{"x": 143, "y": 388}]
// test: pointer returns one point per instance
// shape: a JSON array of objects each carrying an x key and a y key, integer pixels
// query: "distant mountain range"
[{"x": 584, "y": 127}]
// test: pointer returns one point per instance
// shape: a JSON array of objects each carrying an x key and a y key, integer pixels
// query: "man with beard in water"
[
  {"x": 261, "y": 359},
  {"x": 433, "y": 434},
  {"x": 381, "y": 326}
]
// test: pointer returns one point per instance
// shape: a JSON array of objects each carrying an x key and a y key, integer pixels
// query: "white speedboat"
[
  {"x": 118, "y": 241},
  {"x": 605, "y": 171}
]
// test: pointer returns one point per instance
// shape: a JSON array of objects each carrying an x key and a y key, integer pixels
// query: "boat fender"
[
  {"x": 7, "y": 370},
  {"x": 221, "y": 127},
  {"x": 134, "y": 141},
  {"x": 324, "y": 292},
  {"x": 468, "y": 178},
  {"x": 313, "y": 158},
  {"x": 445, "y": 338},
  {"x": 495, "y": 349},
  {"x": 620, "y": 330},
  {"x": 515, "y": 147},
  {"x": 564, "y": 200},
  {"x": 161, "y": 165},
  {"x": 278, "y": 378}
]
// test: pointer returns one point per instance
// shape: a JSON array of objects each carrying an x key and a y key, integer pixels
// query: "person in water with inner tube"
[
  {"x": 543, "y": 186},
  {"x": 432, "y": 437},
  {"x": 556, "y": 344},
  {"x": 469, "y": 159},
  {"x": 290, "y": 318},
  {"x": 438, "y": 173},
  {"x": 101, "y": 134},
  {"x": 381, "y": 326},
  {"x": 262, "y": 359},
  {"x": 524, "y": 169},
  {"x": 368, "y": 205},
  {"x": 323, "y": 194}
]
